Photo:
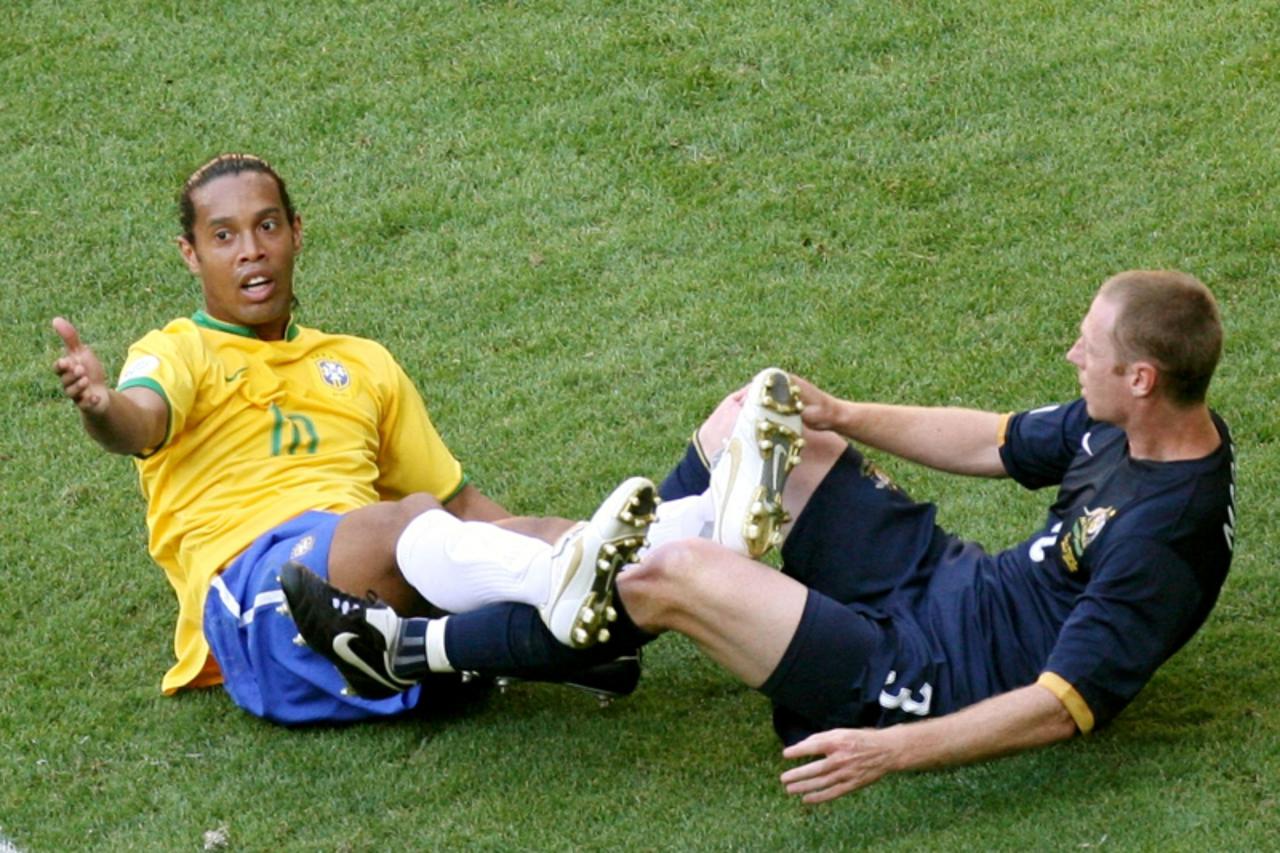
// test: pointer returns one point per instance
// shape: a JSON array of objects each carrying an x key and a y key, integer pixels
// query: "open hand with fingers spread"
[
  {"x": 84, "y": 380},
  {"x": 848, "y": 759}
]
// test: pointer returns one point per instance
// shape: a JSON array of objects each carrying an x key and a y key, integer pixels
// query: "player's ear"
[
  {"x": 297, "y": 233},
  {"x": 189, "y": 255},
  {"x": 1143, "y": 377}
]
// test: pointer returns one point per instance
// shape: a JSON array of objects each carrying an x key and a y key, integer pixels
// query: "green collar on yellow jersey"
[{"x": 200, "y": 318}]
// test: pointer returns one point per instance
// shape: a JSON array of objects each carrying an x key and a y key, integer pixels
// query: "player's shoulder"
[
  {"x": 178, "y": 336},
  {"x": 176, "y": 328},
  {"x": 354, "y": 345}
]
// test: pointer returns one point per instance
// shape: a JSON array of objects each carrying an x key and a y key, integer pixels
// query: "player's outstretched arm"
[
  {"x": 121, "y": 423},
  {"x": 960, "y": 441},
  {"x": 848, "y": 759}
]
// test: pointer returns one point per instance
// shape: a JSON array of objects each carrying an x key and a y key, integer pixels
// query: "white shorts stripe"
[
  {"x": 270, "y": 598},
  {"x": 224, "y": 595}
]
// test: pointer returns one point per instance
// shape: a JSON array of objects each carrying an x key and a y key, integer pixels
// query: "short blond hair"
[{"x": 1170, "y": 319}]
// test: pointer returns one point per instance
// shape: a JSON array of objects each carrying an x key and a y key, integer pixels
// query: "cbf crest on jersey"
[
  {"x": 1083, "y": 533},
  {"x": 334, "y": 373}
]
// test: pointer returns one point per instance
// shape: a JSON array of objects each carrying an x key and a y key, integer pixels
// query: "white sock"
[
  {"x": 462, "y": 565},
  {"x": 684, "y": 518}
]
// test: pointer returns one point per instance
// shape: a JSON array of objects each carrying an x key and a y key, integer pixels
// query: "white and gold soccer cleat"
[
  {"x": 586, "y": 560},
  {"x": 748, "y": 476}
]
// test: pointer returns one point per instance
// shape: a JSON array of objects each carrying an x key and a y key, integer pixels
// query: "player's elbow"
[
  {"x": 1061, "y": 725},
  {"x": 1055, "y": 720}
]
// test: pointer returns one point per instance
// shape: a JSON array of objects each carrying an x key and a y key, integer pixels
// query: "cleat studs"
[
  {"x": 753, "y": 531},
  {"x": 610, "y": 549},
  {"x": 604, "y": 701},
  {"x": 348, "y": 692},
  {"x": 766, "y": 445},
  {"x": 603, "y": 635},
  {"x": 610, "y": 615},
  {"x": 580, "y": 636},
  {"x": 298, "y": 641},
  {"x": 602, "y": 566},
  {"x": 502, "y": 683},
  {"x": 468, "y": 677}
]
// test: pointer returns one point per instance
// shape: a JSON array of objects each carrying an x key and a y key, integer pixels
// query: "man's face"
[
  {"x": 1103, "y": 378},
  {"x": 243, "y": 251}
]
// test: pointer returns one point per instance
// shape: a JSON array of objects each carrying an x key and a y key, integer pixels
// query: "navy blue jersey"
[{"x": 1126, "y": 568}]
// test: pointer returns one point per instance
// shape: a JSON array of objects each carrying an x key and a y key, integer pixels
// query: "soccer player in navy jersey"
[{"x": 879, "y": 617}]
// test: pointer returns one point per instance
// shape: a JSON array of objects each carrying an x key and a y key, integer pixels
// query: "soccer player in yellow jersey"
[{"x": 259, "y": 441}]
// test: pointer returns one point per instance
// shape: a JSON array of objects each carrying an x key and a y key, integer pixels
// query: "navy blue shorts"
[
  {"x": 859, "y": 657},
  {"x": 262, "y": 669}
]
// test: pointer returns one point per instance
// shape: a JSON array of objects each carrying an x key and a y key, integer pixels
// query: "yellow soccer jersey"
[{"x": 259, "y": 432}]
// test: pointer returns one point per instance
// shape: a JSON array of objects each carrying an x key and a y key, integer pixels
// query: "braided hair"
[{"x": 225, "y": 164}]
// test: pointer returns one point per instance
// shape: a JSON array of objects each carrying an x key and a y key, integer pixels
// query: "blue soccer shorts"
[
  {"x": 264, "y": 672},
  {"x": 859, "y": 656}
]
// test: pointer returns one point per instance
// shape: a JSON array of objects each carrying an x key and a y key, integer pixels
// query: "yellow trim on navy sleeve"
[
  {"x": 697, "y": 446},
  {"x": 1002, "y": 431},
  {"x": 1070, "y": 698}
]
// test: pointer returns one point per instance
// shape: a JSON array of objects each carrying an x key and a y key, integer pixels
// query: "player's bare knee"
[
  {"x": 411, "y": 506},
  {"x": 821, "y": 445},
  {"x": 675, "y": 562},
  {"x": 714, "y": 431},
  {"x": 665, "y": 583}
]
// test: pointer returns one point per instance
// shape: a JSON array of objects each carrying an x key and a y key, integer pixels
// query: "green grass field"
[{"x": 578, "y": 224}]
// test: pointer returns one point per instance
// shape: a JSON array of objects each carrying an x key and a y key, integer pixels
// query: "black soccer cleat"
[
  {"x": 609, "y": 680},
  {"x": 359, "y": 635},
  {"x": 606, "y": 681}
]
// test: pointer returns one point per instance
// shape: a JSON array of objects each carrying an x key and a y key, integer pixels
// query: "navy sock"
[
  {"x": 691, "y": 476},
  {"x": 511, "y": 639}
]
